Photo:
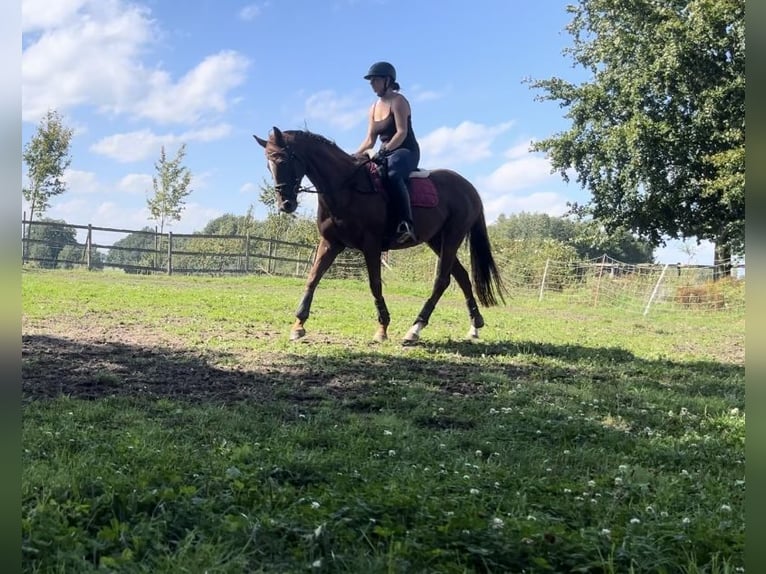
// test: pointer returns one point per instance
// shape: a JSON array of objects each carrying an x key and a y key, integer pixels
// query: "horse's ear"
[
  {"x": 278, "y": 137},
  {"x": 260, "y": 141}
]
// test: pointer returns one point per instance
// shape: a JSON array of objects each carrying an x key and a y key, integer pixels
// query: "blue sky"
[{"x": 129, "y": 77}]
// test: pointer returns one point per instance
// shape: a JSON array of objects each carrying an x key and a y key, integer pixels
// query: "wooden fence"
[{"x": 49, "y": 244}]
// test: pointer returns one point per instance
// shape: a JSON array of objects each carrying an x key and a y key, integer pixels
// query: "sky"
[{"x": 131, "y": 77}]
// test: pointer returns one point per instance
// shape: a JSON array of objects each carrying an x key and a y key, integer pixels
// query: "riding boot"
[{"x": 405, "y": 231}]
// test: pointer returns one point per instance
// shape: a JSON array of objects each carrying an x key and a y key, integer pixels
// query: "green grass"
[{"x": 170, "y": 426}]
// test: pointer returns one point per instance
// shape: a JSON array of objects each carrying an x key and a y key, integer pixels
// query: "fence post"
[
  {"x": 542, "y": 283},
  {"x": 156, "y": 248},
  {"x": 247, "y": 252},
  {"x": 88, "y": 242},
  {"x": 24, "y": 237},
  {"x": 656, "y": 288},
  {"x": 170, "y": 252},
  {"x": 598, "y": 283}
]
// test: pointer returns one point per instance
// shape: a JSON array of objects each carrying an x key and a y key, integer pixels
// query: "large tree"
[
  {"x": 47, "y": 157},
  {"x": 658, "y": 132},
  {"x": 171, "y": 186}
]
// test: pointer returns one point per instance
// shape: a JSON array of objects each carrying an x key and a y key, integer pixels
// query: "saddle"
[{"x": 422, "y": 190}]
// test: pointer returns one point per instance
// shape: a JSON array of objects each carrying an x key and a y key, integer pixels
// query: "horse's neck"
[{"x": 330, "y": 173}]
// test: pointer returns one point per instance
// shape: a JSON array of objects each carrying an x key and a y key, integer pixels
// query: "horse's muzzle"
[{"x": 288, "y": 205}]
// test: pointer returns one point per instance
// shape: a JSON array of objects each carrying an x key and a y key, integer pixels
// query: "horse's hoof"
[
  {"x": 380, "y": 338},
  {"x": 297, "y": 334},
  {"x": 410, "y": 340},
  {"x": 473, "y": 334}
]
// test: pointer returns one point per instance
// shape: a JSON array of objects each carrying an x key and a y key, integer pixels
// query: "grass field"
[{"x": 170, "y": 426}]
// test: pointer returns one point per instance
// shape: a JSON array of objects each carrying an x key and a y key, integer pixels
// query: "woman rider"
[{"x": 391, "y": 121}]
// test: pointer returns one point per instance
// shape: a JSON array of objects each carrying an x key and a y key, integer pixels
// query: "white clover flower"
[
  {"x": 623, "y": 468},
  {"x": 635, "y": 521},
  {"x": 566, "y": 451},
  {"x": 734, "y": 411},
  {"x": 685, "y": 520},
  {"x": 591, "y": 483},
  {"x": 606, "y": 532},
  {"x": 663, "y": 514},
  {"x": 392, "y": 452},
  {"x": 530, "y": 517},
  {"x": 478, "y": 453},
  {"x": 492, "y": 411},
  {"x": 650, "y": 509},
  {"x": 315, "y": 505},
  {"x": 567, "y": 491},
  {"x": 317, "y": 563},
  {"x": 474, "y": 491},
  {"x": 497, "y": 523},
  {"x": 684, "y": 472},
  {"x": 387, "y": 433},
  {"x": 618, "y": 481},
  {"x": 739, "y": 483},
  {"x": 442, "y": 445},
  {"x": 466, "y": 477},
  {"x": 725, "y": 508}
]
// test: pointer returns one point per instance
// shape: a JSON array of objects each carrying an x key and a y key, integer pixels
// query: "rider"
[{"x": 391, "y": 121}]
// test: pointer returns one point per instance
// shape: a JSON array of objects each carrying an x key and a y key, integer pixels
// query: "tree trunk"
[{"x": 722, "y": 260}]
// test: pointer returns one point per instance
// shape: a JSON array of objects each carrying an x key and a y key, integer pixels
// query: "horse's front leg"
[
  {"x": 326, "y": 254},
  {"x": 372, "y": 259}
]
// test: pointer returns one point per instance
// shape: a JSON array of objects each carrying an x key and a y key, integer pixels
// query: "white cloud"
[
  {"x": 86, "y": 53},
  {"x": 81, "y": 182},
  {"x": 42, "y": 14},
  {"x": 249, "y": 12},
  {"x": 89, "y": 52},
  {"x": 136, "y": 184},
  {"x": 467, "y": 143},
  {"x": 518, "y": 173},
  {"x": 326, "y": 106},
  {"x": 250, "y": 188},
  {"x": 143, "y": 144},
  {"x": 201, "y": 90},
  {"x": 541, "y": 202}
]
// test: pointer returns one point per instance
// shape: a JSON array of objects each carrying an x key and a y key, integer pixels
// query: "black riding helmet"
[{"x": 382, "y": 69}]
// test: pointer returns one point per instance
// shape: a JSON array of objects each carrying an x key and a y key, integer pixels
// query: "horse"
[{"x": 352, "y": 214}]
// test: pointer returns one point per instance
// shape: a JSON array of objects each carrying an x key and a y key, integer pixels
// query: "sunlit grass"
[{"x": 567, "y": 440}]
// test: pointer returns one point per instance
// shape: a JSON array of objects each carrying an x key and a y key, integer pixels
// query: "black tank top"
[{"x": 386, "y": 128}]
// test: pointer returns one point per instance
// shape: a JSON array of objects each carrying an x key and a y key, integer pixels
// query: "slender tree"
[
  {"x": 171, "y": 187},
  {"x": 47, "y": 158},
  {"x": 658, "y": 132}
]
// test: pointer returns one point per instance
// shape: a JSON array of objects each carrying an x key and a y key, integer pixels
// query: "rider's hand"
[{"x": 380, "y": 157}]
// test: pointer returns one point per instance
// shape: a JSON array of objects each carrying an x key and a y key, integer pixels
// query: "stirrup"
[{"x": 405, "y": 233}]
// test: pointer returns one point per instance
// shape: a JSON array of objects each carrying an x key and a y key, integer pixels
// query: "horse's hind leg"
[
  {"x": 464, "y": 281},
  {"x": 447, "y": 252},
  {"x": 326, "y": 254}
]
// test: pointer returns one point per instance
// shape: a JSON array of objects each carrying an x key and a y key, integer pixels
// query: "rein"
[{"x": 300, "y": 189}]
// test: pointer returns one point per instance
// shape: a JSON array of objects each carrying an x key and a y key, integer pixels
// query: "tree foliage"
[
  {"x": 658, "y": 133},
  {"x": 171, "y": 187},
  {"x": 47, "y": 157},
  {"x": 48, "y": 241},
  {"x": 588, "y": 238}
]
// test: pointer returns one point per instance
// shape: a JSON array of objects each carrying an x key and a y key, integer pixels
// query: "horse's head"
[{"x": 286, "y": 168}]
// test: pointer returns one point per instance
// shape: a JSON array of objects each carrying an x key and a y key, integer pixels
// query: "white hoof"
[
  {"x": 473, "y": 333},
  {"x": 413, "y": 335},
  {"x": 297, "y": 334}
]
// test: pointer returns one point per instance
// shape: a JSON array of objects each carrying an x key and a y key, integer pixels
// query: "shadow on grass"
[{"x": 53, "y": 366}]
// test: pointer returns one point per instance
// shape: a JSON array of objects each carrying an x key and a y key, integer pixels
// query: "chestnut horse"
[{"x": 352, "y": 214}]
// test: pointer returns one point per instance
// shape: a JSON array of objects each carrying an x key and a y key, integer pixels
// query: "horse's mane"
[{"x": 313, "y": 136}]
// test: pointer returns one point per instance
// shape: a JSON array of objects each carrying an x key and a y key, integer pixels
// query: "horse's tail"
[{"x": 486, "y": 277}]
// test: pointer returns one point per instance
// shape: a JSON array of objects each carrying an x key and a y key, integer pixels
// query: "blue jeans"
[{"x": 401, "y": 162}]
